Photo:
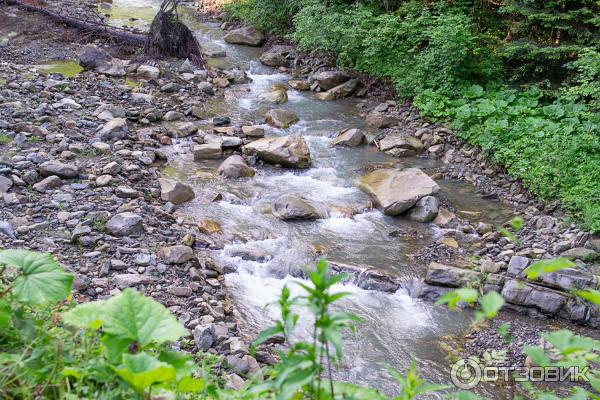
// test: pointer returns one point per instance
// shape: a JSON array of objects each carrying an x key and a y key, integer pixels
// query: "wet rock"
[
  {"x": 380, "y": 120},
  {"x": 251, "y": 254},
  {"x": 449, "y": 276},
  {"x": 247, "y": 35},
  {"x": 208, "y": 151},
  {"x": 278, "y": 96},
  {"x": 401, "y": 145},
  {"x": 235, "y": 167},
  {"x": 253, "y": 131},
  {"x": 273, "y": 59},
  {"x": 51, "y": 182},
  {"x": 445, "y": 218},
  {"x": 209, "y": 227},
  {"x": 175, "y": 191},
  {"x": 397, "y": 191},
  {"x": 178, "y": 254},
  {"x": 148, "y": 72},
  {"x": 425, "y": 210},
  {"x": 281, "y": 118},
  {"x": 114, "y": 129},
  {"x": 340, "y": 91},
  {"x": 349, "y": 138},
  {"x": 59, "y": 169},
  {"x": 291, "y": 207},
  {"x": 125, "y": 224},
  {"x": 299, "y": 85},
  {"x": 289, "y": 151},
  {"x": 330, "y": 79}
]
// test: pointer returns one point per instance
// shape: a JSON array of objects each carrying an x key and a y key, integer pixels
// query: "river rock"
[
  {"x": 208, "y": 151},
  {"x": 546, "y": 300},
  {"x": 278, "y": 96},
  {"x": 235, "y": 167},
  {"x": 175, "y": 191},
  {"x": 330, "y": 79},
  {"x": 51, "y": 182},
  {"x": 5, "y": 184},
  {"x": 449, "y": 276},
  {"x": 299, "y": 85},
  {"x": 401, "y": 145},
  {"x": 209, "y": 227},
  {"x": 59, "y": 169},
  {"x": 291, "y": 206},
  {"x": 125, "y": 224},
  {"x": 247, "y": 35},
  {"x": 425, "y": 210},
  {"x": 273, "y": 59},
  {"x": 91, "y": 57},
  {"x": 148, "y": 72},
  {"x": 115, "y": 129},
  {"x": 178, "y": 254},
  {"x": 340, "y": 91},
  {"x": 281, "y": 118},
  {"x": 349, "y": 138},
  {"x": 206, "y": 88},
  {"x": 580, "y": 253},
  {"x": 445, "y": 218},
  {"x": 123, "y": 281},
  {"x": 289, "y": 151},
  {"x": 397, "y": 191},
  {"x": 253, "y": 131},
  {"x": 380, "y": 120}
]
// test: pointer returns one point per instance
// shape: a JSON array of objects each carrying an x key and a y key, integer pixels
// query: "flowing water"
[{"x": 395, "y": 327}]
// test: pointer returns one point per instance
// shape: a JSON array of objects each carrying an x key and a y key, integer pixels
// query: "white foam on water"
[{"x": 361, "y": 225}]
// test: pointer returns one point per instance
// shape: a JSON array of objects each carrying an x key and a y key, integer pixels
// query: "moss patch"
[{"x": 67, "y": 68}]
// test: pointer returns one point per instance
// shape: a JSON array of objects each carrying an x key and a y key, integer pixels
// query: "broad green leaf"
[
  {"x": 567, "y": 342},
  {"x": 182, "y": 362},
  {"x": 5, "y": 314},
  {"x": 42, "y": 279},
  {"x": 537, "y": 354},
  {"x": 189, "y": 384},
  {"x": 115, "y": 346},
  {"x": 267, "y": 334},
  {"x": 490, "y": 304},
  {"x": 86, "y": 315},
  {"x": 132, "y": 315},
  {"x": 591, "y": 295},
  {"x": 71, "y": 372},
  {"x": 141, "y": 371},
  {"x": 464, "y": 295},
  {"x": 542, "y": 267}
]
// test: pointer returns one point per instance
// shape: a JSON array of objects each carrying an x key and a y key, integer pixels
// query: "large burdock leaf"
[
  {"x": 141, "y": 371},
  {"x": 42, "y": 279},
  {"x": 132, "y": 315}
]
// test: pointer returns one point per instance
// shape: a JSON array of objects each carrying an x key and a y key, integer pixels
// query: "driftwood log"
[
  {"x": 170, "y": 37},
  {"x": 89, "y": 26}
]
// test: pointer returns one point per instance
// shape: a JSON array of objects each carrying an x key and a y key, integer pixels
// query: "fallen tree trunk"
[{"x": 96, "y": 28}]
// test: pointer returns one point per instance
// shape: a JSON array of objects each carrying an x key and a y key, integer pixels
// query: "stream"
[{"x": 395, "y": 327}]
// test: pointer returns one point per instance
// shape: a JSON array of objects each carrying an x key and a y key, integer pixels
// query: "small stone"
[
  {"x": 177, "y": 254},
  {"x": 209, "y": 227},
  {"x": 51, "y": 182},
  {"x": 125, "y": 224},
  {"x": 175, "y": 191},
  {"x": 59, "y": 169}
]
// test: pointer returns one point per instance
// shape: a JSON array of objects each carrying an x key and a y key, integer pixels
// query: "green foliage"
[
  {"x": 457, "y": 296},
  {"x": 4, "y": 139},
  {"x": 542, "y": 267}
]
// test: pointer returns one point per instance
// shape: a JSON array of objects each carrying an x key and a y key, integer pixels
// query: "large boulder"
[
  {"x": 274, "y": 59},
  {"x": 349, "y": 138},
  {"x": 175, "y": 191},
  {"x": 340, "y": 91},
  {"x": 380, "y": 120},
  {"x": 235, "y": 167},
  {"x": 247, "y": 35},
  {"x": 290, "y": 206},
  {"x": 59, "y": 169},
  {"x": 330, "y": 79},
  {"x": 397, "y": 191},
  {"x": 208, "y": 151},
  {"x": 425, "y": 210},
  {"x": 289, "y": 151},
  {"x": 281, "y": 118},
  {"x": 125, "y": 224},
  {"x": 401, "y": 145}
]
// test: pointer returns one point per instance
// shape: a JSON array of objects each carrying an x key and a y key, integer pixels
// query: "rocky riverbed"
[{"x": 143, "y": 174}]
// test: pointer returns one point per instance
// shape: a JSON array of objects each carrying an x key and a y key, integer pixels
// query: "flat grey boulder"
[
  {"x": 401, "y": 145},
  {"x": 289, "y": 151},
  {"x": 330, "y": 79},
  {"x": 247, "y": 35},
  {"x": 59, "y": 169},
  {"x": 349, "y": 138},
  {"x": 208, "y": 151},
  {"x": 281, "y": 118},
  {"x": 235, "y": 167},
  {"x": 125, "y": 224},
  {"x": 397, "y": 191},
  {"x": 291, "y": 206},
  {"x": 175, "y": 191},
  {"x": 273, "y": 59}
]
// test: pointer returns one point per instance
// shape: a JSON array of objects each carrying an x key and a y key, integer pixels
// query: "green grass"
[{"x": 5, "y": 139}]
